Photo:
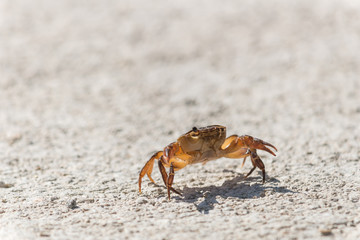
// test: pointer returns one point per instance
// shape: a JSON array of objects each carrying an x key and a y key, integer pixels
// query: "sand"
[{"x": 89, "y": 90}]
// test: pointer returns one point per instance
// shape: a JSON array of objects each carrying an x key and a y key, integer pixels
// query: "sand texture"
[{"x": 89, "y": 90}]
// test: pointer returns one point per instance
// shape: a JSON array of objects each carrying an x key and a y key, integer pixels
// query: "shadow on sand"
[{"x": 238, "y": 187}]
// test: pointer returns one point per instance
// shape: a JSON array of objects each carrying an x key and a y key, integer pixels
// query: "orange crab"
[{"x": 201, "y": 145}]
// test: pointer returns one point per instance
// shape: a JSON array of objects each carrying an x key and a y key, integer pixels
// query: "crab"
[{"x": 201, "y": 145}]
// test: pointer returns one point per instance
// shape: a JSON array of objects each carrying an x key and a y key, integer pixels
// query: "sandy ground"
[{"x": 89, "y": 90}]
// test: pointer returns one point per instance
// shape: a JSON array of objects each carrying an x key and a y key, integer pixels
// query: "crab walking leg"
[
  {"x": 254, "y": 167},
  {"x": 170, "y": 180},
  {"x": 243, "y": 161},
  {"x": 163, "y": 172},
  {"x": 165, "y": 177},
  {"x": 147, "y": 169},
  {"x": 256, "y": 161},
  {"x": 250, "y": 172}
]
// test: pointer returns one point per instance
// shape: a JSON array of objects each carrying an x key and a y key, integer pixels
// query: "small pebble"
[
  {"x": 54, "y": 198},
  {"x": 325, "y": 232},
  {"x": 43, "y": 234},
  {"x": 141, "y": 200},
  {"x": 341, "y": 221},
  {"x": 72, "y": 204},
  {"x": 5, "y": 185},
  {"x": 354, "y": 198}
]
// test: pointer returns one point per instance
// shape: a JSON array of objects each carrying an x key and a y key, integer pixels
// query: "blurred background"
[
  {"x": 94, "y": 87},
  {"x": 133, "y": 71}
]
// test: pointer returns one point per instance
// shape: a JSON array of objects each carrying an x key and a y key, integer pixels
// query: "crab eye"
[{"x": 195, "y": 134}]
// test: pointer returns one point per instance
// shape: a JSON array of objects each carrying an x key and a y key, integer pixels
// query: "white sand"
[{"x": 90, "y": 89}]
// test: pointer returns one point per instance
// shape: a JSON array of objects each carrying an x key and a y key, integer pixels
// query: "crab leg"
[
  {"x": 243, "y": 161},
  {"x": 170, "y": 179},
  {"x": 163, "y": 172},
  {"x": 257, "y": 162},
  {"x": 147, "y": 169},
  {"x": 167, "y": 179},
  {"x": 250, "y": 172}
]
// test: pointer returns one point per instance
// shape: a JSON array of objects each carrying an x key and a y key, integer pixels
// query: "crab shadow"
[{"x": 238, "y": 187}]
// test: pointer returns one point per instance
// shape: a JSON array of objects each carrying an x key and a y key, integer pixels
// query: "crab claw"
[{"x": 257, "y": 143}]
